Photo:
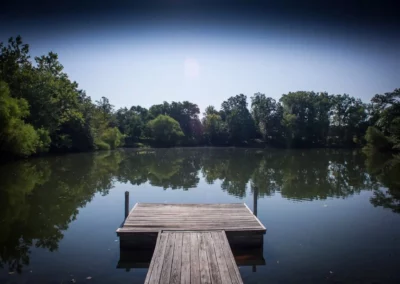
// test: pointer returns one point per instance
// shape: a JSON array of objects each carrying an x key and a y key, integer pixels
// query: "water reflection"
[
  {"x": 40, "y": 197},
  {"x": 385, "y": 170}
]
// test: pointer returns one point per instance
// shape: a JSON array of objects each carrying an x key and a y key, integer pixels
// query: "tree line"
[{"x": 42, "y": 110}]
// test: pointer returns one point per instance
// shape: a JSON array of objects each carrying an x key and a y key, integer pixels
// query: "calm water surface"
[{"x": 331, "y": 216}]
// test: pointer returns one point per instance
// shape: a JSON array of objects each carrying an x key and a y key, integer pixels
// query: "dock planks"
[
  {"x": 193, "y": 257},
  {"x": 153, "y": 217}
]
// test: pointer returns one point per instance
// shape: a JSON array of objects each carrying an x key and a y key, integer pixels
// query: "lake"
[{"x": 332, "y": 216}]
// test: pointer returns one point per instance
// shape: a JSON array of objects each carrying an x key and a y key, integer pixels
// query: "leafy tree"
[
  {"x": 240, "y": 124},
  {"x": 268, "y": 116},
  {"x": 186, "y": 113},
  {"x": 165, "y": 130},
  {"x": 17, "y": 137},
  {"x": 113, "y": 137},
  {"x": 308, "y": 114},
  {"x": 348, "y": 120},
  {"x": 385, "y": 134},
  {"x": 14, "y": 60},
  {"x": 53, "y": 100},
  {"x": 132, "y": 122},
  {"x": 215, "y": 129},
  {"x": 104, "y": 106}
]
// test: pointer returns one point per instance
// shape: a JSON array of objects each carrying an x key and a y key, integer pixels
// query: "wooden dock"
[
  {"x": 145, "y": 220},
  {"x": 193, "y": 257},
  {"x": 192, "y": 242}
]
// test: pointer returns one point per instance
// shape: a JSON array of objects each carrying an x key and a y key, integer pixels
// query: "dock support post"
[
  {"x": 126, "y": 204},
  {"x": 255, "y": 199}
]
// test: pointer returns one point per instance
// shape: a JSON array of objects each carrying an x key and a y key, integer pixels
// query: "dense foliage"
[
  {"x": 42, "y": 110},
  {"x": 384, "y": 132}
]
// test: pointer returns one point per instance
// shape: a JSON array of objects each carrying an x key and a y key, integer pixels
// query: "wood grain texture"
[
  {"x": 204, "y": 268},
  {"x": 212, "y": 259},
  {"x": 221, "y": 261},
  {"x": 193, "y": 257},
  {"x": 157, "y": 260},
  {"x": 185, "y": 272},
  {"x": 153, "y": 217},
  {"x": 177, "y": 260},
  {"x": 230, "y": 261},
  {"x": 167, "y": 261}
]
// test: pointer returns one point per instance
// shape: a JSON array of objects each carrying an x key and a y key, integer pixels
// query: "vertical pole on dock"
[
  {"x": 126, "y": 203},
  {"x": 255, "y": 199},
  {"x": 254, "y": 268}
]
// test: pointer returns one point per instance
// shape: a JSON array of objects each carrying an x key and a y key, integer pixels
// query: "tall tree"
[
  {"x": 268, "y": 116},
  {"x": 348, "y": 120},
  {"x": 240, "y": 124},
  {"x": 385, "y": 133},
  {"x": 308, "y": 113},
  {"x": 17, "y": 137}
]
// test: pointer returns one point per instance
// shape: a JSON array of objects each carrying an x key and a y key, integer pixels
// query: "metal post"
[
  {"x": 254, "y": 268},
  {"x": 126, "y": 204}
]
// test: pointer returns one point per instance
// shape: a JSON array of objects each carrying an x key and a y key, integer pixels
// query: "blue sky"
[{"x": 147, "y": 62}]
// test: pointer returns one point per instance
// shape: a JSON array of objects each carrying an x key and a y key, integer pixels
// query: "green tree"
[
  {"x": 17, "y": 137},
  {"x": 308, "y": 114},
  {"x": 132, "y": 123},
  {"x": 268, "y": 116},
  {"x": 215, "y": 130},
  {"x": 165, "y": 130},
  {"x": 53, "y": 100},
  {"x": 385, "y": 134},
  {"x": 348, "y": 121},
  {"x": 113, "y": 137},
  {"x": 186, "y": 113},
  {"x": 240, "y": 124}
]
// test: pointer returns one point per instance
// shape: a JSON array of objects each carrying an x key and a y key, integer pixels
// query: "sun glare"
[{"x": 191, "y": 68}]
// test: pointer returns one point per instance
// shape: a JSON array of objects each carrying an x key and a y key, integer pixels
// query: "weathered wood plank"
[
  {"x": 212, "y": 259},
  {"x": 167, "y": 261},
  {"x": 194, "y": 259},
  {"x": 137, "y": 230},
  {"x": 204, "y": 268},
  {"x": 232, "y": 268},
  {"x": 204, "y": 218},
  {"x": 177, "y": 259},
  {"x": 221, "y": 261},
  {"x": 157, "y": 261},
  {"x": 155, "y": 255},
  {"x": 217, "y": 205},
  {"x": 185, "y": 273}
]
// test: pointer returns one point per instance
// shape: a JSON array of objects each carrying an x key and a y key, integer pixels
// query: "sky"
[{"x": 204, "y": 53}]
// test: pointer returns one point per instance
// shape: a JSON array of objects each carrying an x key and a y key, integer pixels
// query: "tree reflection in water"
[{"x": 40, "y": 197}]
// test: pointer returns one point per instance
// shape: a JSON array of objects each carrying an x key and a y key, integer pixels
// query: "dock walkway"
[{"x": 193, "y": 257}]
